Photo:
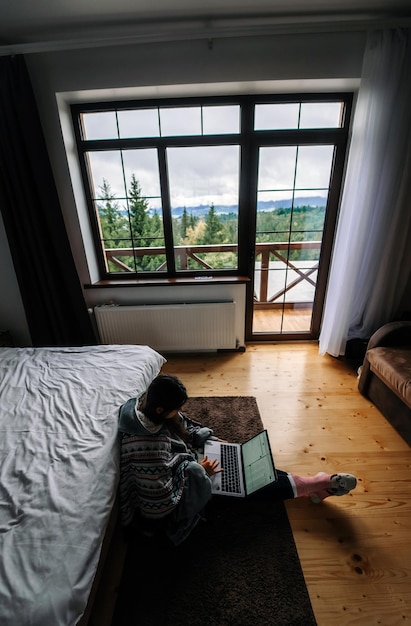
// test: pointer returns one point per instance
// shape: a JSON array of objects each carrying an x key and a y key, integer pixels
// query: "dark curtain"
[{"x": 50, "y": 288}]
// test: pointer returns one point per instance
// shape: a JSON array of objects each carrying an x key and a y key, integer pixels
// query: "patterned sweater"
[{"x": 159, "y": 472}]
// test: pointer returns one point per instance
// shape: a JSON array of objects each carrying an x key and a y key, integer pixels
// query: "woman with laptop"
[{"x": 164, "y": 482}]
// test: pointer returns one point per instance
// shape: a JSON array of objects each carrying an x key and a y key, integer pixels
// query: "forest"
[{"x": 138, "y": 226}]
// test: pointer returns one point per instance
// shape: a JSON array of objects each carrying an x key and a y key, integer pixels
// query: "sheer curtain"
[{"x": 372, "y": 256}]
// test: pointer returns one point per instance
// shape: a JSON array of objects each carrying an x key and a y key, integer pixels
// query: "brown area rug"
[{"x": 238, "y": 568}]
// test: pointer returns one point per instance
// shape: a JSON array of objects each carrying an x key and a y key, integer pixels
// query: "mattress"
[{"x": 59, "y": 470}]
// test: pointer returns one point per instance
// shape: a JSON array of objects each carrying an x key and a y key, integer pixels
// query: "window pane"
[
  {"x": 308, "y": 222},
  {"x": 143, "y": 250},
  {"x": 180, "y": 121},
  {"x": 300, "y": 283},
  {"x": 143, "y": 164},
  {"x": 114, "y": 232},
  {"x": 204, "y": 184},
  {"x": 106, "y": 166},
  {"x": 276, "y": 116},
  {"x": 144, "y": 209},
  {"x": 276, "y": 168},
  {"x": 100, "y": 125},
  {"x": 130, "y": 259},
  {"x": 148, "y": 234},
  {"x": 321, "y": 114},
  {"x": 114, "y": 225},
  {"x": 314, "y": 167},
  {"x": 291, "y": 203},
  {"x": 221, "y": 120},
  {"x": 129, "y": 209},
  {"x": 138, "y": 123}
]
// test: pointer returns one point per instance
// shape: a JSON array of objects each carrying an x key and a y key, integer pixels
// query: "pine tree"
[
  {"x": 184, "y": 224},
  {"x": 192, "y": 221},
  {"x": 138, "y": 212},
  {"x": 112, "y": 222},
  {"x": 214, "y": 228},
  {"x": 156, "y": 230}
]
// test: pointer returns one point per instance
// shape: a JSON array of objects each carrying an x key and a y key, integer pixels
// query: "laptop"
[{"x": 248, "y": 467}]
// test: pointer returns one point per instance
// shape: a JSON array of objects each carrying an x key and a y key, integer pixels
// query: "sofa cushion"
[{"x": 393, "y": 366}]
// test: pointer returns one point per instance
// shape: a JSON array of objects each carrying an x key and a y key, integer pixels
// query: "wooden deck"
[{"x": 277, "y": 321}]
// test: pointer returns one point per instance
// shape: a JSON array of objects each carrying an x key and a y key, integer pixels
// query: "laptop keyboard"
[{"x": 230, "y": 478}]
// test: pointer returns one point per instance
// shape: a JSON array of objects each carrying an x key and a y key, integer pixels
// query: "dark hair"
[{"x": 165, "y": 391}]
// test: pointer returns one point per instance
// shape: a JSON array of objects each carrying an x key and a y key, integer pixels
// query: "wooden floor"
[{"x": 355, "y": 550}]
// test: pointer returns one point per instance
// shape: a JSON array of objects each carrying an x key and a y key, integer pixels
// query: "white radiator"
[{"x": 169, "y": 327}]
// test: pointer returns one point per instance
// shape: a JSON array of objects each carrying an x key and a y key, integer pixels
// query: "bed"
[{"x": 59, "y": 472}]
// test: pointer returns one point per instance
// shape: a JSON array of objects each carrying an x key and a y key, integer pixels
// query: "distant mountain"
[
  {"x": 286, "y": 204},
  {"x": 202, "y": 209}
]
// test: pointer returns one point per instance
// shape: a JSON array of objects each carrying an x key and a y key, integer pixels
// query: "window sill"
[{"x": 165, "y": 282}]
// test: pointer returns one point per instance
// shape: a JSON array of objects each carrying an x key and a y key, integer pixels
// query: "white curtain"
[{"x": 371, "y": 261}]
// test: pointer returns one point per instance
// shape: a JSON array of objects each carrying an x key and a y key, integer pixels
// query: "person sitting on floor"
[{"x": 162, "y": 480}]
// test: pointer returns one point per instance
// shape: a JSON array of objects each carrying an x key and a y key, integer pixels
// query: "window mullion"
[
  {"x": 167, "y": 219},
  {"x": 248, "y": 203},
  {"x": 247, "y": 196}
]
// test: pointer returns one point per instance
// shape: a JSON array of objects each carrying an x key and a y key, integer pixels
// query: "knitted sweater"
[{"x": 159, "y": 472}]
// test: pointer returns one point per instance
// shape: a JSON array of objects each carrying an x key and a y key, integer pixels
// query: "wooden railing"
[{"x": 280, "y": 250}]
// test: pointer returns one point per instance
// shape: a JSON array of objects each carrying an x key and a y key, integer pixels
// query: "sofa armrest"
[{"x": 391, "y": 334}]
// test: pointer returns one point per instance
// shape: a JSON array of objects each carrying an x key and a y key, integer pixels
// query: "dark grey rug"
[{"x": 238, "y": 568}]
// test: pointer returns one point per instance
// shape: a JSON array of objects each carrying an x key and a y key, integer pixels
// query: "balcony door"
[{"x": 297, "y": 185}]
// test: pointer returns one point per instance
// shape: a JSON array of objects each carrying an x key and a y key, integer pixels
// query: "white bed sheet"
[{"x": 59, "y": 472}]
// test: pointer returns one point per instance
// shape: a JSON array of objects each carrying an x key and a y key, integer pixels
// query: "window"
[{"x": 184, "y": 187}]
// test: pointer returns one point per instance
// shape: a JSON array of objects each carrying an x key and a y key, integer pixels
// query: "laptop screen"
[{"x": 259, "y": 469}]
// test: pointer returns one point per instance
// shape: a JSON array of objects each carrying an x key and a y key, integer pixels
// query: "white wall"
[{"x": 248, "y": 64}]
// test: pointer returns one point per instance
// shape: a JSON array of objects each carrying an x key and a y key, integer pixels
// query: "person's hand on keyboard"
[{"x": 211, "y": 466}]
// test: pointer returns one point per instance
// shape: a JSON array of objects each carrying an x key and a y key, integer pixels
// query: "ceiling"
[{"x": 36, "y": 25}]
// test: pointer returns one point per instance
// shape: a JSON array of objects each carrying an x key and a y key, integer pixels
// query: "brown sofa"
[{"x": 385, "y": 376}]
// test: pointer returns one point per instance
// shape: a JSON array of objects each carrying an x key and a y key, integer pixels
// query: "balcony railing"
[{"x": 303, "y": 272}]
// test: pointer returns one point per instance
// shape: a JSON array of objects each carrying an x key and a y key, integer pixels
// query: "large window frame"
[{"x": 249, "y": 141}]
